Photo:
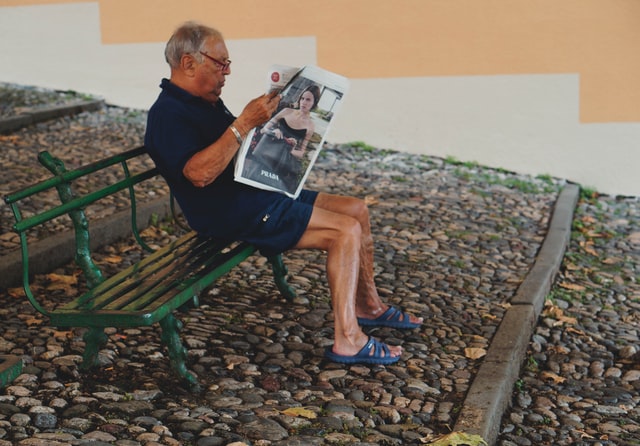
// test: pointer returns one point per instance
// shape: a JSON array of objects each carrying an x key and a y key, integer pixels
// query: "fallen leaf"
[
  {"x": 585, "y": 435},
  {"x": 474, "y": 352},
  {"x": 300, "y": 412},
  {"x": 588, "y": 248},
  {"x": 33, "y": 321},
  {"x": 554, "y": 312},
  {"x": 61, "y": 282},
  {"x": 572, "y": 286},
  {"x": 113, "y": 259},
  {"x": 16, "y": 292},
  {"x": 458, "y": 439},
  {"x": 576, "y": 331},
  {"x": 551, "y": 310},
  {"x": 559, "y": 349},
  {"x": 125, "y": 249},
  {"x": 62, "y": 334},
  {"x": 150, "y": 231},
  {"x": 370, "y": 200},
  {"x": 567, "y": 320},
  {"x": 9, "y": 138},
  {"x": 552, "y": 376},
  {"x": 62, "y": 278}
]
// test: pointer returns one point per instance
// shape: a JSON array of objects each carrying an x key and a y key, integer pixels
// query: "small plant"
[
  {"x": 362, "y": 146},
  {"x": 588, "y": 194},
  {"x": 452, "y": 160},
  {"x": 532, "y": 364}
]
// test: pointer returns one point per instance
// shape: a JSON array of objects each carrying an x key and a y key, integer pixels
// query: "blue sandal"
[
  {"x": 373, "y": 352},
  {"x": 393, "y": 318}
]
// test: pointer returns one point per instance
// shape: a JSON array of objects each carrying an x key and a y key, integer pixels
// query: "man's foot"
[
  {"x": 373, "y": 352},
  {"x": 393, "y": 318}
]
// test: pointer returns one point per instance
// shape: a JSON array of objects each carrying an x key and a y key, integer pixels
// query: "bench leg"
[
  {"x": 10, "y": 368},
  {"x": 94, "y": 339},
  {"x": 171, "y": 327},
  {"x": 280, "y": 276}
]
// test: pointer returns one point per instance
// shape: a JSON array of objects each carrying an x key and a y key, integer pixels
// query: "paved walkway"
[{"x": 473, "y": 249}]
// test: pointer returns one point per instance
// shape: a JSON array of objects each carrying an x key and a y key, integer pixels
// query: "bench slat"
[
  {"x": 148, "y": 285},
  {"x": 122, "y": 282},
  {"x": 157, "y": 303},
  {"x": 192, "y": 266}
]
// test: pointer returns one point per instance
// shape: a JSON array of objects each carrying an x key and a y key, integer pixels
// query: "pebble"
[{"x": 453, "y": 242}]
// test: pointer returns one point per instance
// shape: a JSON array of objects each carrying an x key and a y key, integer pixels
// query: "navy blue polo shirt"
[{"x": 180, "y": 125}]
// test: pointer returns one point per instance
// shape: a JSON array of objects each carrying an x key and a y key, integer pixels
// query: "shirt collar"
[{"x": 182, "y": 94}]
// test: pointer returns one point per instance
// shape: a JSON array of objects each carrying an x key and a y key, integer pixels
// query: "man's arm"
[{"x": 206, "y": 165}]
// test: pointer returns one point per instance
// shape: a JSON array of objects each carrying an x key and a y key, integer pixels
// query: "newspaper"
[{"x": 279, "y": 154}]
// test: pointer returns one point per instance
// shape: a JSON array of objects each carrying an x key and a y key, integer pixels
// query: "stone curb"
[
  {"x": 44, "y": 114},
  {"x": 52, "y": 252},
  {"x": 491, "y": 390}
]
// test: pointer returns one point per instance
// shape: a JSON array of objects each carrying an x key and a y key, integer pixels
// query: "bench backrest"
[{"x": 73, "y": 203}]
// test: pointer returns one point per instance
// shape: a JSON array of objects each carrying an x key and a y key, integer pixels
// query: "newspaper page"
[{"x": 279, "y": 154}]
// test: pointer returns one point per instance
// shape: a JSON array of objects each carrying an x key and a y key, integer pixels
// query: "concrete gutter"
[
  {"x": 492, "y": 388},
  {"x": 47, "y": 113},
  {"x": 53, "y": 252}
]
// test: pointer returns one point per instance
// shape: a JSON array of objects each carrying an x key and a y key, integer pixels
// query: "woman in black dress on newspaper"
[{"x": 277, "y": 158}]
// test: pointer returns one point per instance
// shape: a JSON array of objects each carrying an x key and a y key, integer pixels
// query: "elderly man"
[{"x": 193, "y": 138}]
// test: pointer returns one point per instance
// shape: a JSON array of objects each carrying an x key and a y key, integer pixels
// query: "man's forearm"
[{"x": 205, "y": 166}]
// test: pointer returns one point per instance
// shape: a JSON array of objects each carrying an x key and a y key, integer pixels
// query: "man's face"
[{"x": 210, "y": 74}]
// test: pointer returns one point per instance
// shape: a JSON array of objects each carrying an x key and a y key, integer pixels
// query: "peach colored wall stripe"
[{"x": 599, "y": 39}]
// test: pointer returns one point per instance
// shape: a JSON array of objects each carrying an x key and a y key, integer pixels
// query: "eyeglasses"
[{"x": 224, "y": 66}]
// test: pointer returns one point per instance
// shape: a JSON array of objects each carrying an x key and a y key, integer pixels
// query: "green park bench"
[
  {"x": 149, "y": 291},
  {"x": 10, "y": 368}
]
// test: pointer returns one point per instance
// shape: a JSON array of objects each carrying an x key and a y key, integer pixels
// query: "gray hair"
[{"x": 189, "y": 38}]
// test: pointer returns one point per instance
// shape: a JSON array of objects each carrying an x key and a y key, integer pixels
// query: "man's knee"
[
  {"x": 359, "y": 210},
  {"x": 350, "y": 231}
]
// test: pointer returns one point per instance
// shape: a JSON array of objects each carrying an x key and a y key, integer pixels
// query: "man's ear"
[{"x": 188, "y": 64}]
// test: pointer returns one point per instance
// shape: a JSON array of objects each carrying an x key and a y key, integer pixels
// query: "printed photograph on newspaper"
[{"x": 279, "y": 154}]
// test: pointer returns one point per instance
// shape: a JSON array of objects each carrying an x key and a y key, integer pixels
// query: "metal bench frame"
[
  {"x": 10, "y": 368},
  {"x": 145, "y": 293}
]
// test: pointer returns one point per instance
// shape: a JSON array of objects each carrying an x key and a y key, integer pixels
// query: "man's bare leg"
[
  {"x": 340, "y": 236},
  {"x": 369, "y": 305}
]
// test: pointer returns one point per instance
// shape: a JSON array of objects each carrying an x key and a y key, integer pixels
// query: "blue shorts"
[{"x": 283, "y": 224}]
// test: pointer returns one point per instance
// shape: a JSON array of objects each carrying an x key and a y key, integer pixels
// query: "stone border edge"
[
  {"x": 491, "y": 390},
  {"x": 47, "y": 113}
]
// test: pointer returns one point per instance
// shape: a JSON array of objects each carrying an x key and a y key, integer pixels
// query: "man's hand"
[{"x": 257, "y": 112}]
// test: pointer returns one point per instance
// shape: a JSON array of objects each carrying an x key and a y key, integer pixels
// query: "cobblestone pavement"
[{"x": 453, "y": 242}]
